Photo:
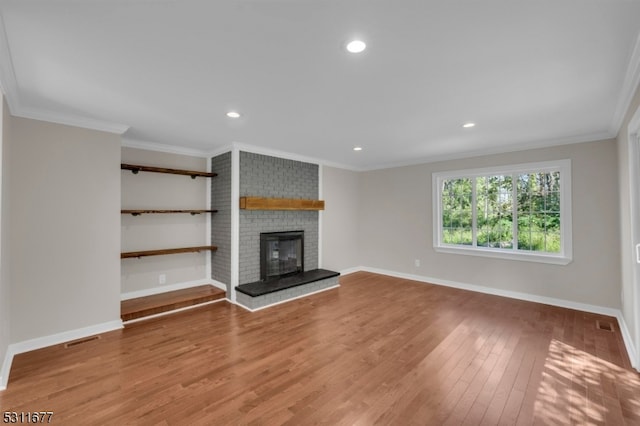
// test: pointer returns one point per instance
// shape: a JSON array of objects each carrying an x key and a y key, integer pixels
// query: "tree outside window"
[{"x": 522, "y": 209}]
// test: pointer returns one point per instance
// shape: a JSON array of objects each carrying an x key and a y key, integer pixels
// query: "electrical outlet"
[
  {"x": 417, "y": 263},
  {"x": 162, "y": 279}
]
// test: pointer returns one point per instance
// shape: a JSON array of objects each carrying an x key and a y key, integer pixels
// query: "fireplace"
[{"x": 281, "y": 254}]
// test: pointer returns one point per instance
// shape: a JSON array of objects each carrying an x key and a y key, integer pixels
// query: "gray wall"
[
  {"x": 340, "y": 249},
  {"x": 64, "y": 207},
  {"x": 159, "y": 231},
  {"x": 5, "y": 287},
  {"x": 221, "y": 221},
  {"x": 397, "y": 228},
  {"x": 627, "y": 262},
  {"x": 265, "y": 176}
]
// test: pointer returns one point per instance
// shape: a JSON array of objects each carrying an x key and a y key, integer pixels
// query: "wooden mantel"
[{"x": 262, "y": 203}]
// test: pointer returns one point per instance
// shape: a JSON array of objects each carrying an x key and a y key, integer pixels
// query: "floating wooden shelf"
[
  {"x": 193, "y": 173},
  {"x": 139, "y": 212},
  {"x": 166, "y": 251},
  {"x": 262, "y": 203}
]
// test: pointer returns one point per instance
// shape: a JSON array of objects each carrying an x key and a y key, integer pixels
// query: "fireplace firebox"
[{"x": 281, "y": 254}]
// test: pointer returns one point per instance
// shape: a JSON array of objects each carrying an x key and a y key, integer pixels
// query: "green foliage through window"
[
  {"x": 519, "y": 211},
  {"x": 456, "y": 201}
]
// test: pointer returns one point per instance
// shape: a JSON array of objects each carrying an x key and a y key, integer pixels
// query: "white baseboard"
[
  {"x": 500, "y": 292},
  {"x": 173, "y": 311},
  {"x": 601, "y": 310},
  {"x": 38, "y": 343},
  {"x": 351, "y": 270},
  {"x": 628, "y": 341},
  {"x": 218, "y": 284},
  {"x": 54, "y": 339},
  {"x": 6, "y": 368},
  {"x": 171, "y": 287}
]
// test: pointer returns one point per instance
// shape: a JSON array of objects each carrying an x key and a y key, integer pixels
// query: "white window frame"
[{"x": 564, "y": 257}]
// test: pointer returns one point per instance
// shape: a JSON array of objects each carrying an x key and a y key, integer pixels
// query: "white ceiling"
[{"x": 529, "y": 73}]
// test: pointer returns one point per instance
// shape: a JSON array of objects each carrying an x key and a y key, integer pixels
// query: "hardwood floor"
[{"x": 378, "y": 350}]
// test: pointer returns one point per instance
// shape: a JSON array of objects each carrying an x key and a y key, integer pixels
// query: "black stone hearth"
[{"x": 260, "y": 288}]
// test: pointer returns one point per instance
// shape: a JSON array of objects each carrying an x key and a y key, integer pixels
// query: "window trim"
[{"x": 564, "y": 257}]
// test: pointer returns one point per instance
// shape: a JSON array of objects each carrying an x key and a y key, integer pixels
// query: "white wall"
[
  {"x": 64, "y": 199},
  {"x": 5, "y": 290},
  {"x": 340, "y": 219},
  {"x": 626, "y": 243},
  {"x": 160, "y": 231},
  {"x": 395, "y": 228}
]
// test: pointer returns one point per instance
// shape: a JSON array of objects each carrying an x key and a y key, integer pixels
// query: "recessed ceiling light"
[
  {"x": 233, "y": 114},
  {"x": 468, "y": 125},
  {"x": 357, "y": 148},
  {"x": 356, "y": 46}
]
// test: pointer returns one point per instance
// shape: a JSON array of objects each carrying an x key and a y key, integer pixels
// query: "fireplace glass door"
[{"x": 281, "y": 254}]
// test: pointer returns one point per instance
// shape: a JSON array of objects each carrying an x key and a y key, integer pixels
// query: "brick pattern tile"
[
  {"x": 221, "y": 221},
  {"x": 266, "y": 176}
]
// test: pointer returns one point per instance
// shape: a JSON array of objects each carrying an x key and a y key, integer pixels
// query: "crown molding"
[
  {"x": 8, "y": 82},
  {"x": 289, "y": 156},
  {"x": 547, "y": 143},
  {"x": 274, "y": 153},
  {"x": 160, "y": 147},
  {"x": 219, "y": 151},
  {"x": 174, "y": 149},
  {"x": 629, "y": 87},
  {"x": 69, "y": 120},
  {"x": 9, "y": 86}
]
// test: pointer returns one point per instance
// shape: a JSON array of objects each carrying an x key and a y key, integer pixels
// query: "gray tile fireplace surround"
[{"x": 267, "y": 176}]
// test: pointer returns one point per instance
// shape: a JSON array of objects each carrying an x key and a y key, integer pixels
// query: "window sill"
[{"x": 503, "y": 254}]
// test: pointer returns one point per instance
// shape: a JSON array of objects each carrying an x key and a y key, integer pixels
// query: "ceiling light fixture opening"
[
  {"x": 468, "y": 125},
  {"x": 233, "y": 114},
  {"x": 356, "y": 46},
  {"x": 357, "y": 148}
]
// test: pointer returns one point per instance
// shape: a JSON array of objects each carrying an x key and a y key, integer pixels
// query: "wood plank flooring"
[
  {"x": 150, "y": 305},
  {"x": 378, "y": 350}
]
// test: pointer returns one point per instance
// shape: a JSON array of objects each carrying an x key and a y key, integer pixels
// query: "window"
[{"x": 516, "y": 212}]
